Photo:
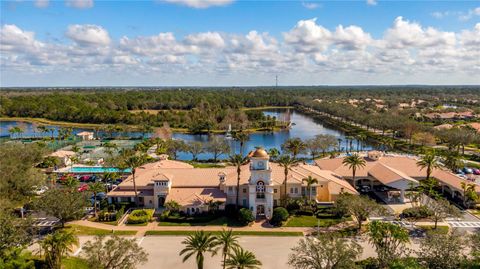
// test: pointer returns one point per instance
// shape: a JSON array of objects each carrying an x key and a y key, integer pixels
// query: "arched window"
[{"x": 260, "y": 189}]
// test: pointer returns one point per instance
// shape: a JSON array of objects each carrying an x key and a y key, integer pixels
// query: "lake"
[{"x": 303, "y": 127}]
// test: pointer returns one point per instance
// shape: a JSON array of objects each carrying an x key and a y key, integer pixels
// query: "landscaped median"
[
  {"x": 84, "y": 230},
  {"x": 244, "y": 233},
  {"x": 140, "y": 217}
]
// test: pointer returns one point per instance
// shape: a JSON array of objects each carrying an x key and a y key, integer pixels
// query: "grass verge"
[
  {"x": 441, "y": 229},
  {"x": 311, "y": 221},
  {"x": 84, "y": 230},
  {"x": 251, "y": 233}
]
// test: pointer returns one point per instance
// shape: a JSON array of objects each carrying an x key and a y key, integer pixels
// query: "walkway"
[{"x": 153, "y": 226}]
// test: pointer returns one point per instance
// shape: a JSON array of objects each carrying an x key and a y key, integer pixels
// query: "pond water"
[{"x": 303, "y": 127}]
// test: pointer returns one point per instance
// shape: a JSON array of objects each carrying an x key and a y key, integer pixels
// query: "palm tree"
[
  {"x": 295, "y": 146},
  {"x": 238, "y": 160},
  {"x": 241, "y": 137},
  {"x": 109, "y": 177},
  {"x": 354, "y": 162},
  {"x": 57, "y": 245},
  {"x": 226, "y": 241},
  {"x": 429, "y": 162},
  {"x": 198, "y": 244},
  {"x": 310, "y": 181},
  {"x": 360, "y": 138},
  {"x": 286, "y": 161},
  {"x": 242, "y": 259},
  {"x": 133, "y": 162},
  {"x": 469, "y": 193},
  {"x": 95, "y": 188},
  {"x": 15, "y": 130},
  {"x": 71, "y": 183},
  {"x": 273, "y": 153},
  {"x": 452, "y": 161}
]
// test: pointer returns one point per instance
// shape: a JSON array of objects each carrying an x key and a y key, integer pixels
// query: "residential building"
[{"x": 261, "y": 185}]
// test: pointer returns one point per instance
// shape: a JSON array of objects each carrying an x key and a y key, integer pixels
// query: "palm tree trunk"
[
  {"x": 95, "y": 204},
  {"x": 224, "y": 259},
  {"x": 135, "y": 188},
  {"x": 238, "y": 187}
]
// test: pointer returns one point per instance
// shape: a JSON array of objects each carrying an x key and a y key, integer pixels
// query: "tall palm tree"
[
  {"x": 226, "y": 241},
  {"x": 273, "y": 153},
  {"x": 361, "y": 137},
  {"x": 310, "y": 181},
  {"x": 198, "y": 244},
  {"x": 15, "y": 130},
  {"x": 95, "y": 188},
  {"x": 286, "y": 161},
  {"x": 429, "y": 162},
  {"x": 295, "y": 146},
  {"x": 133, "y": 162},
  {"x": 57, "y": 245},
  {"x": 241, "y": 137},
  {"x": 354, "y": 162},
  {"x": 242, "y": 259},
  {"x": 238, "y": 160},
  {"x": 469, "y": 193}
]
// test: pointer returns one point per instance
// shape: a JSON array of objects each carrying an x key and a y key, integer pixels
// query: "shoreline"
[{"x": 100, "y": 126}]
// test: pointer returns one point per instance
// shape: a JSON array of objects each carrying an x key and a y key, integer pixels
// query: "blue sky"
[{"x": 284, "y": 32}]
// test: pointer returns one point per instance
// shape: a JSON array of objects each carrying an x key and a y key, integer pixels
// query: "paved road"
[{"x": 271, "y": 251}]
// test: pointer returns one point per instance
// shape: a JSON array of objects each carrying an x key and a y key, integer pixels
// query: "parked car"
[
  {"x": 467, "y": 170},
  {"x": 82, "y": 188},
  {"x": 84, "y": 178},
  {"x": 40, "y": 190},
  {"x": 64, "y": 177},
  {"x": 476, "y": 171}
]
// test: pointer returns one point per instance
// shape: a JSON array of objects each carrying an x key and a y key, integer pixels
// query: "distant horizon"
[
  {"x": 221, "y": 43},
  {"x": 240, "y": 86}
]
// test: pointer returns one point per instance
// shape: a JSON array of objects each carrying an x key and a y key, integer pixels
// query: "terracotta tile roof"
[
  {"x": 183, "y": 176},
  {"x": 195, "y": 196},
  {"x": 476, "y": 126},
  {"x": 129, "y": 193},
  {"x": 388, "y": 175},
  {"x": 400, "y": 165},
  {"x": 62, "y": 153}
]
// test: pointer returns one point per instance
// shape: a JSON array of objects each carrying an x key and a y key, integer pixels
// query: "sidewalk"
[{"x": 153, "y": 226}]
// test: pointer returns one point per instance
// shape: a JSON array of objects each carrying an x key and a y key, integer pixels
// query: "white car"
[{"x": 40, "y": 190}]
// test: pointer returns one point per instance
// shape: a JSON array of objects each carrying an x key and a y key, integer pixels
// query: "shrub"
[
  {"x": 293, "y": 204},
  {"x": 230, "y": 210},
  {"x": 245, "y": 216},
  {"x": 140, "y": 216},
  {"x": 417, "y": 212},
  {"x": 279, "y": 215}
]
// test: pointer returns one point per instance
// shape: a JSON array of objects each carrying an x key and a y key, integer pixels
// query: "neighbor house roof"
[
  {"x": 85, "y": 133},
  {"x": 390, "y": 168},
  {"x": 62, "y": 153}
]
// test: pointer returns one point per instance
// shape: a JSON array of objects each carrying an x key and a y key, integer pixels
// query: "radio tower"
[{"x": 276, "y": 81}]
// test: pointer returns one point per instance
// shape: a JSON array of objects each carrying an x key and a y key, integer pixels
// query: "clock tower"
[{"x": 260, "y": 185}]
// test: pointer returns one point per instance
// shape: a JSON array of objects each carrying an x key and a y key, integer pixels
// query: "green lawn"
[
  {"x": 440, "y": 229},
  {"x": 251, "y": 233},
  {"x": 74, "y": 263},
  {"x": 206, "y": 165},
  {"x": 311, "y": 221},
  {"x": 221, "y": 221},
  {"x": 84, "y": 230}
]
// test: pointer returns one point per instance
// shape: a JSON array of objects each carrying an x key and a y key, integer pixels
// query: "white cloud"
[
  {"x": 80, "y": 4},
  {"x": 201, "y": 3},
  {"x": 42, "y": 3},
  {"x": 372, "y": 2},
  {"x": 404, "y": 33},
  {"x": 209, "y": 39},
  {"x": 310, "y": 5},
  {"x": 308, "y": 51},
  {"x": 470, "y": 14},
  {"x": 88, "y": 35},
  {"x": 308, "y": 36},
  {"x": 351, "y": 37}
]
